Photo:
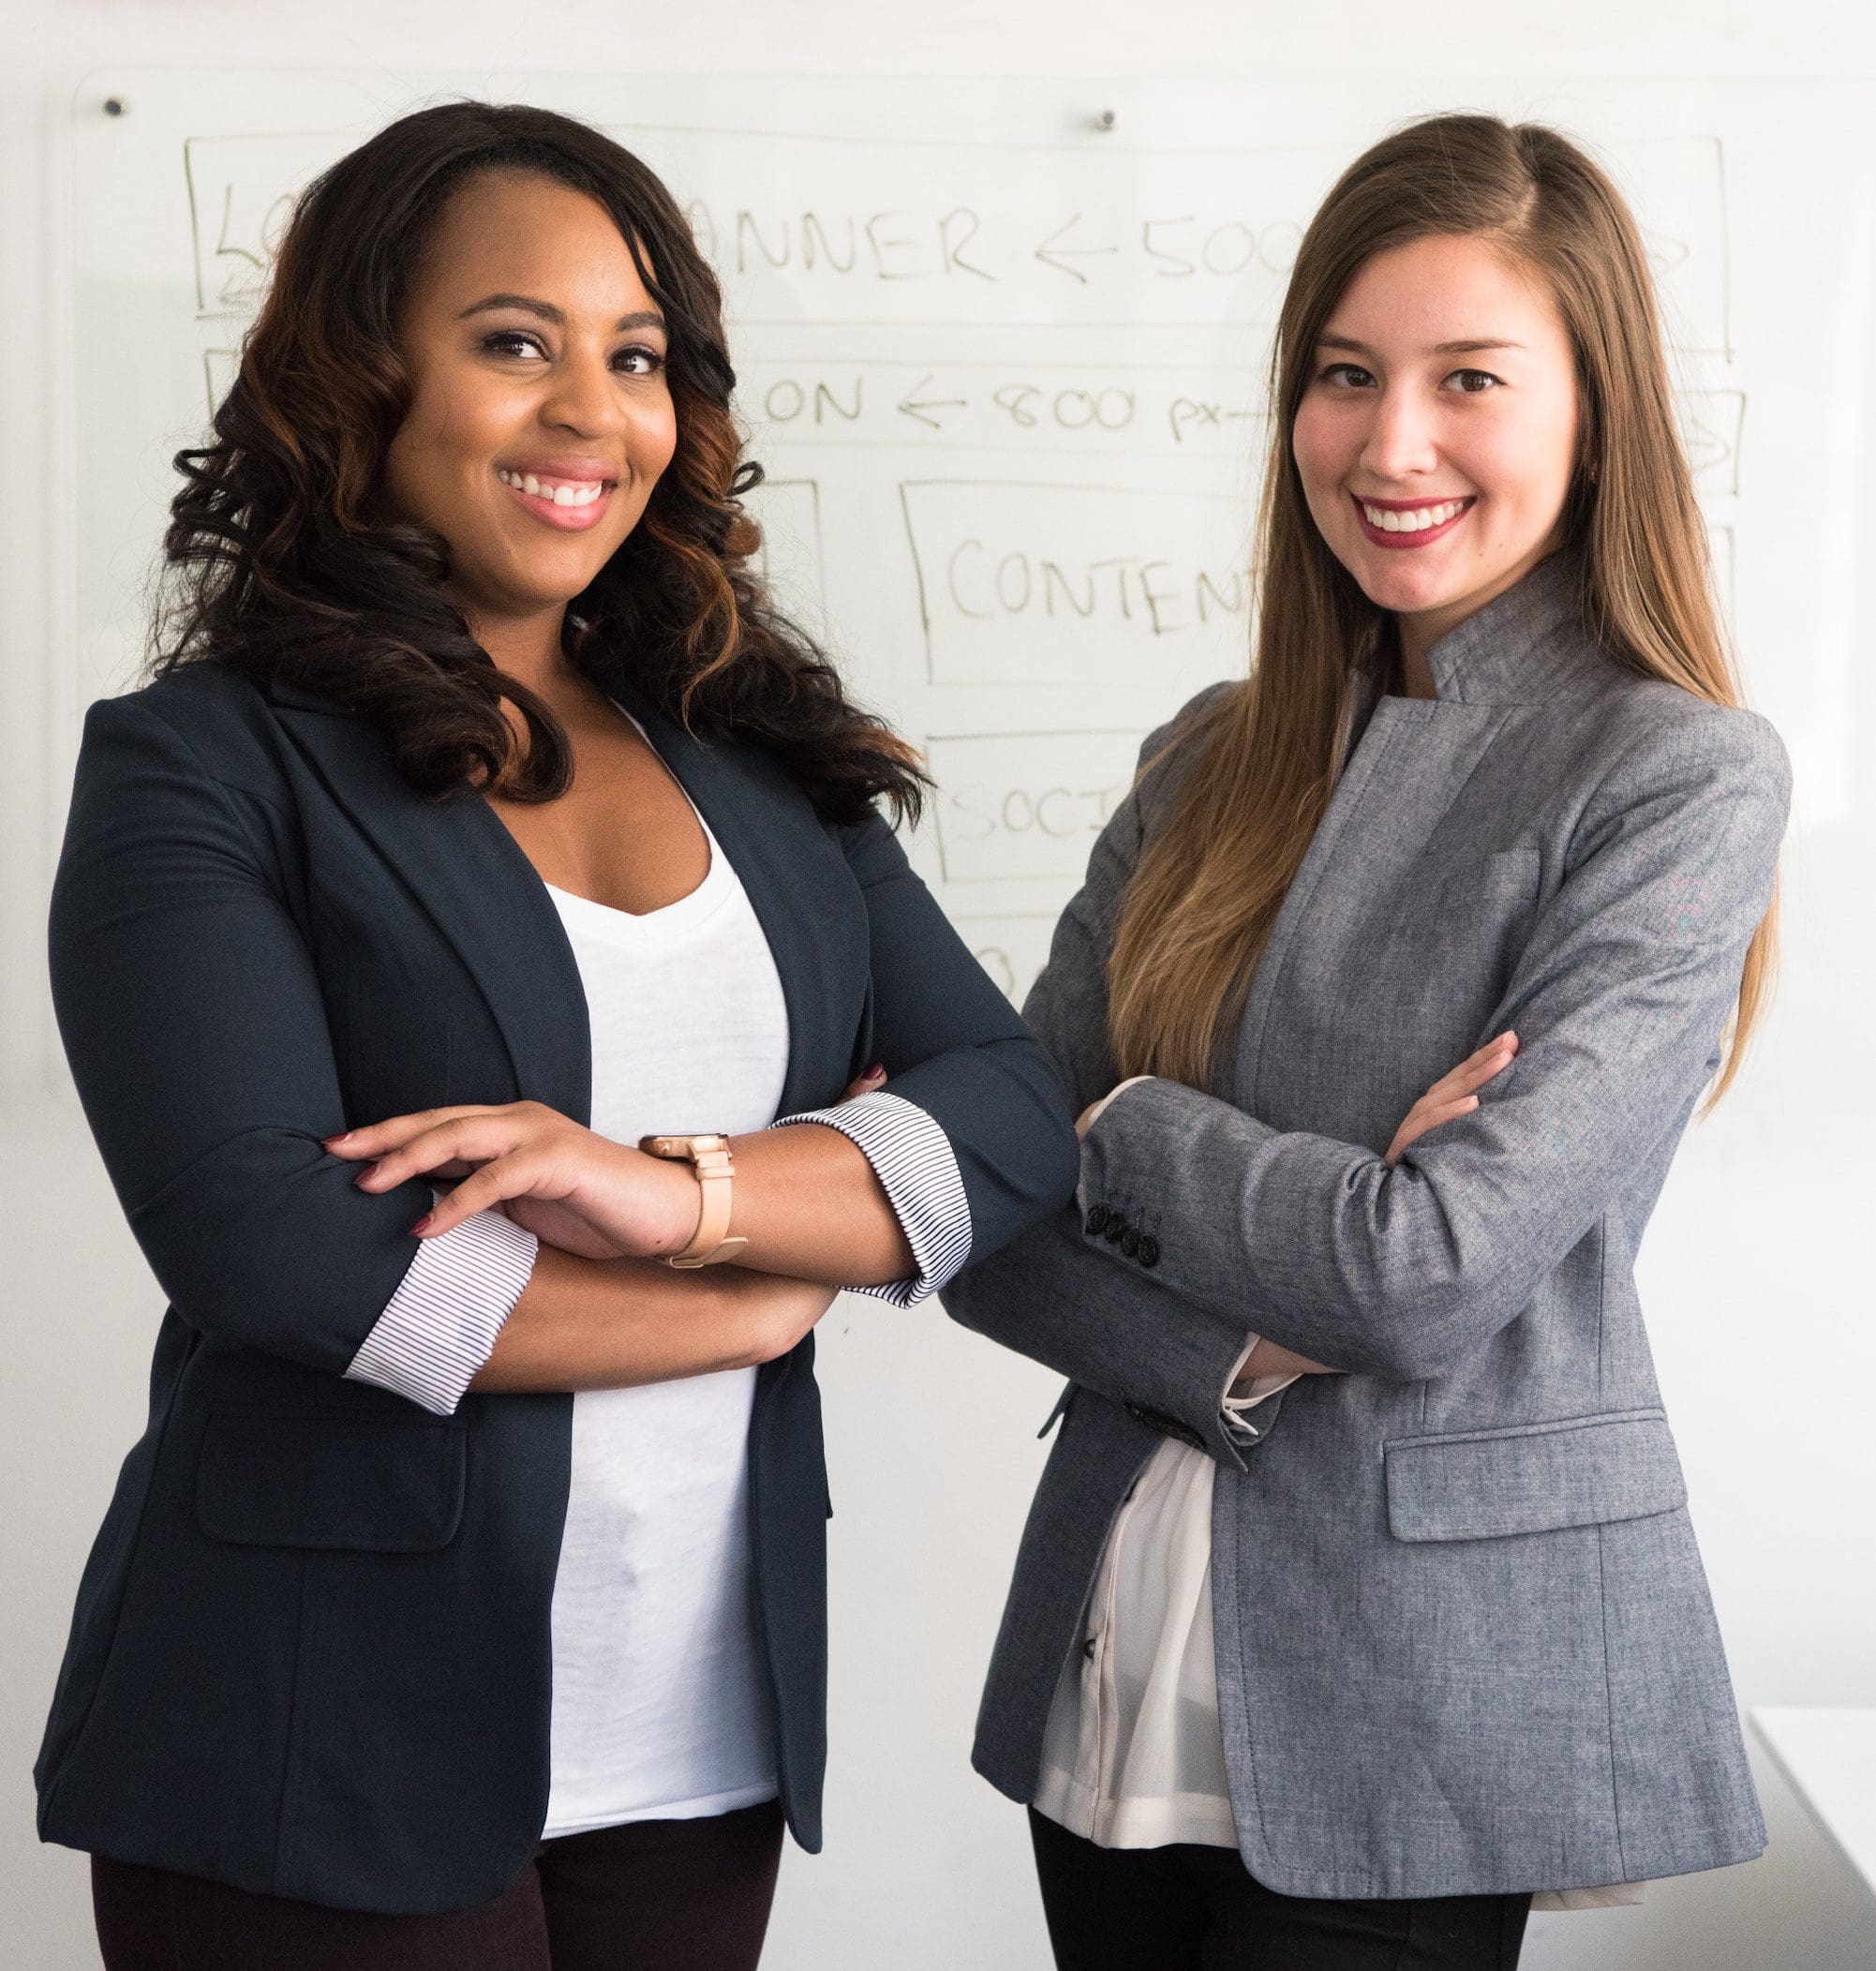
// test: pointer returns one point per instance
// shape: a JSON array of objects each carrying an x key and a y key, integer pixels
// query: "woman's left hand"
[
  {"x": 576, "y": 1189},
  {"x": 1453, "y": 1095}
]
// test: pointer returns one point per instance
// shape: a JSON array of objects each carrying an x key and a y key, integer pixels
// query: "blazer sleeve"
[
  {"x": 192, "y": 1018},
  {"x": 1619, "y": 1001},
  {"x": 1117, "y": 1329},
  {"x": 955, "y": 1049}
]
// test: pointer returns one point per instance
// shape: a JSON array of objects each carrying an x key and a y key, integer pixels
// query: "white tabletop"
[{"x": 1829, "y": 1757}]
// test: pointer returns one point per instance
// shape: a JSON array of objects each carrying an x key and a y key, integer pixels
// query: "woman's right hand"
[{"x": 1455, "y": 1094}]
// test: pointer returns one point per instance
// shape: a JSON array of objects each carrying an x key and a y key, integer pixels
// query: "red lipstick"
[{"x": 1416, "y": 536}]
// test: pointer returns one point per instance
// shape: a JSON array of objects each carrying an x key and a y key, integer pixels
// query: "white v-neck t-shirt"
[{"x": 661, "y": 1706}]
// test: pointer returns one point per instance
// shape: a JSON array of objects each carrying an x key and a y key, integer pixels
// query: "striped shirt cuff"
[
  {"x": 917, "y": 1168},
  {"x": 440, "y": 1326}
]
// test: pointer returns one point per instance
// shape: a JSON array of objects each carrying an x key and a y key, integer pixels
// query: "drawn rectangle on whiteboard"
[
  {"x": 1012, "y": 948},
  {"x": 805, "y": 226},
  {"x": 809, "y": 226},
  {"x": 1026, "y": 804},
  {"x": 1077, "y": 585}
]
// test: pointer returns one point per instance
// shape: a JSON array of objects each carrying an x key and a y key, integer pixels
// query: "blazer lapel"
[
  {"x": 469, "y": 876},
  {"x": 1413, "y": 757},
  {"x": 1407, "y": 768}
]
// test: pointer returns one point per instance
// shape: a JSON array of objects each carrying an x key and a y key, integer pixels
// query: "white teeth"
[
  {"x": 1393, "y": 520},
  {"x": 566, "y": 494}
]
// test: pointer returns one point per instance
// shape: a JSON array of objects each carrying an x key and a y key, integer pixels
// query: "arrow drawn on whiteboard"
[
  {"x": 1059, "y": 257},
  {"x": 915, "y": 406}
]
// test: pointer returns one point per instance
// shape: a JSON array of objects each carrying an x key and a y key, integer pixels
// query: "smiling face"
[
  {"x": 541, "y": 416},
  {"x": 1437, "y": 438}
]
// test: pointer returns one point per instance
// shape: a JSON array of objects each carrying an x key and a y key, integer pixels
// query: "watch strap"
[{"x": 709, "y": 1158}]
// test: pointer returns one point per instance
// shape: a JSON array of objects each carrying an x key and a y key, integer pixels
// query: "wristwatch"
[{"x": 709, "y": 1156}]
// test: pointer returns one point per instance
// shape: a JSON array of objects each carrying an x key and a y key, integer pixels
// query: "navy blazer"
[{"x": 311, "y": 1653}]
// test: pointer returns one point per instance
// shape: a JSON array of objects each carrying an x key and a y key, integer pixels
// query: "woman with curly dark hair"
[{"x": 485, "y": 829}]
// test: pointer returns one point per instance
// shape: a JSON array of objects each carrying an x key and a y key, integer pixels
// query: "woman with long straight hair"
[
  {"x": 463, "y": 1603},
  {"x": 1359, "y": 1601}
]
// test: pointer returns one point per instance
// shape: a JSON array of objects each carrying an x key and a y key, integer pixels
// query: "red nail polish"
[
  {"x": 421, "y": 1225},
  {"x": 343, "y": 1136}
]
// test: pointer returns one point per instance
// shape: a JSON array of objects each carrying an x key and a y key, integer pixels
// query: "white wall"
[{"x": 1762, "y": 1300}]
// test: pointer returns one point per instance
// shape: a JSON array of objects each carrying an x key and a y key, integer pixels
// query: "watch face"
[{"x": 682, "y": 1145}]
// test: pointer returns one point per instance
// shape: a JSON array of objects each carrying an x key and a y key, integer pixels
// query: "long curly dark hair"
[{"x": 280, "y": 564}]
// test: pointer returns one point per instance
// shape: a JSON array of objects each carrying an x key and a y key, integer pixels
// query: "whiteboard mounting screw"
[
  {"x": 1105, "y": 119},
  {"x": 115, "y": 105}
]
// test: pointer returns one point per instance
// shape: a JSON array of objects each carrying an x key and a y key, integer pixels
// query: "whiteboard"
[{"x": 1005, "y": 369}]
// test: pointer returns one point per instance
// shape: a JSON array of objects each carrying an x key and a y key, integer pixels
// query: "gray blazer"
[{"x": 1463, "y": 1640}]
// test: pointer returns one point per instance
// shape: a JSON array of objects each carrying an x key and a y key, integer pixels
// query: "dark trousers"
[
  {"x": 649, "y": 1896},
  {"x": 1190, "y": 1909}
]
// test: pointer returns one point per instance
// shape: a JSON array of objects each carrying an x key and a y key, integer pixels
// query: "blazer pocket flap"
[
  {"x": 1532, "y": 1478},
  {"x": 278, "y": 1477}
]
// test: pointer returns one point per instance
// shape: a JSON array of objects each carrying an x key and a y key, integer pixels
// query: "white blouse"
[{"x": 1133, "y": 1756}]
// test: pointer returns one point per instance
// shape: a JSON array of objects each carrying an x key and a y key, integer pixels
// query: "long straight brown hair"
[{"x": 1207, "y": 887}]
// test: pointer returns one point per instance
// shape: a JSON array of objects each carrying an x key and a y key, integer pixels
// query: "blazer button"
[
  {"x": 1115, "y": 1226},
  {"x": 1088, "y": 1648},
  {"x": 1149, "y": 1250},
  {"x": 1130, "y": 1241},
  {"x": 1097, "y": 1221}
]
